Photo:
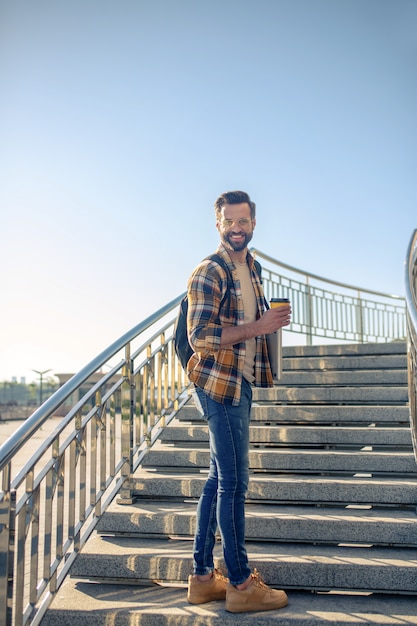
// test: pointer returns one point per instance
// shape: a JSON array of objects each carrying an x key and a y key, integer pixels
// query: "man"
[{"x": 230, "y": 354}]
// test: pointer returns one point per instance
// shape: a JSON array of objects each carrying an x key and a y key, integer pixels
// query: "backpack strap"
[
  {"x": 258, "y": 268},
  {"x": 220, "y": 261}
]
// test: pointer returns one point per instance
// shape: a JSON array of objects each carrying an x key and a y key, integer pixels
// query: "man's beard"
[{"x": 234, "y": 245}]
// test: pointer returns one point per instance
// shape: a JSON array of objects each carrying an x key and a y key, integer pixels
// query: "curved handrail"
[
  {"x": 411, "y": 308},
  {"x": 50, "y": 506},
  {"x": 411, "y": 278},
  {"x": 35, "y": 421},
  {"x": 330, "y": 309},
  {"x": 308, "y": 275}
]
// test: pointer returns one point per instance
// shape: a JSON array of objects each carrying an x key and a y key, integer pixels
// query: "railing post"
[
  {"x": 6, "y": 545},
  {"x": 359, "y": 318},
  {"x": 127, "y": 411},
  {"x": 309, "y": 314}
]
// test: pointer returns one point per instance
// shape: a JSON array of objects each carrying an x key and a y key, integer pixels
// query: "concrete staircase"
[{"x": 331, "y": 510}]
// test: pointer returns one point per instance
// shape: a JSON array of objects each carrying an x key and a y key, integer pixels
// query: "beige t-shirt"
[{"x": 250, "y": 308}]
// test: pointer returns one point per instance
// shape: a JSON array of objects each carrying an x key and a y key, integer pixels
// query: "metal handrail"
[
  {"x": 350, "y": 313},
  {"x": 49, "y": 507},
  {"x": 309, "y": 275},
  {"x": 48, "y": 408},
  {"x": 411, "y": 308}
]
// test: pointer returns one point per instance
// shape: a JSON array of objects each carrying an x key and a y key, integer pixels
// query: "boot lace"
[
  {"x": 220, "y": 575},
  {"x": 257, "y": 580}
]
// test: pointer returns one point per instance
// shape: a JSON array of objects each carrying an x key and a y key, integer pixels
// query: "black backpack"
[{"x": 182, "y": 347}]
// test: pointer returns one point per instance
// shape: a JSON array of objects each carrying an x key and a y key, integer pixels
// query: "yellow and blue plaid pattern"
[{"x": 219, "y": 371}]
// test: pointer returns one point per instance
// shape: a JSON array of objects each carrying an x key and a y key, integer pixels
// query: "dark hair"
[{"x": 234, "y": 197}]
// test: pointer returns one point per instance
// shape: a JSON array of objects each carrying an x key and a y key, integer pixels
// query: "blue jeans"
[{"x": 222, "y": 501}]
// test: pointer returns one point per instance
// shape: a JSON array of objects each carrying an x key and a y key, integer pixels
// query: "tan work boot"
[
  {"x": 256, "y": 597},
  {"x": 200, "y": 592}
]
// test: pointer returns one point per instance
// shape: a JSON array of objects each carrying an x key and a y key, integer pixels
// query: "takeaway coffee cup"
[
  {"x": 274, "y": 341},
  {"x": 275, "y": 302}
]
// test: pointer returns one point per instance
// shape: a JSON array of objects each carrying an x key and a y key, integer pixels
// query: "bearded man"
[{"x": 230, "y": 356}]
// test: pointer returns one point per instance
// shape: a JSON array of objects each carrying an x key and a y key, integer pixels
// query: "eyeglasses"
[{"x": 244, "y": 222}]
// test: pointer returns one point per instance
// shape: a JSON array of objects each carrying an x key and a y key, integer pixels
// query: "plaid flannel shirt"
[{"x": 218, "y": 371}]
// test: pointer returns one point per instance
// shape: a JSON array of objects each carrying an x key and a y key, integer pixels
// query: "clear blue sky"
[{"x": 122, "y": 121}]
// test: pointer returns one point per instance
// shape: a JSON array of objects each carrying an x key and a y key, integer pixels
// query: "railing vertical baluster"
[
  {"x": 59, "y": 534},
  {"x": 145, "y": 400},
  {"x": 103, "y": 449},
  {"x": 71, "y": 488},
  {"x": 309, "y": 313},
  {"x": 20, "y": 560},
  {"x": 152, "y": 390},
  {"x": 47, "y": 551},
  {"x": 159, "y": 362},
  {"x": 6, "y": 544},
  {"x": 135, "y": 437},
  {"x": 93, "y": 460},
  {"x": 82, "y": 465},
  {"x": 125, "y": 494},
  {"x": 139, "y": 426},
  {"x": 166, "y": 376},
  {"x": 175, "y": 376},
  {"x": 34, "y": 546},
  {"x": 112, "y": 436}
]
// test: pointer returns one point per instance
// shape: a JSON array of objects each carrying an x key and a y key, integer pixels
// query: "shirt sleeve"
[{"x": 205, "y": 292}]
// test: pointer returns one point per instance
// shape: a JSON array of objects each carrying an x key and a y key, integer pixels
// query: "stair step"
[
  {"x": 81, "y": 603},
  {"x": 268, "y": 522},
  {"x": 347, "y": 349},
  {"x": 317, "y": 414},
  {"x": 370, "y": 362},
  {"x": 287, "y": 566},
  {"x": 331, "y": 394},
  {"x": 331, "y": 505},
  {"x": 299, "y": 435},
  {"x": 285, "y": 460},
  {"x": 345, "y": 378},
  {"x": 278, "y": 488}
]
